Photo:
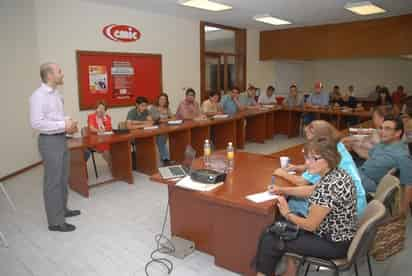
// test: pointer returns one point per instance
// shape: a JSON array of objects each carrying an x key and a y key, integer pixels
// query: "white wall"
[
  {"x": 364, "y": 74},
  {"x": 65, "y": 26},
  {"x": 48, "y": 30},
  {"x": 259, "y": 73},
  {"x": 19, "y": 77}
]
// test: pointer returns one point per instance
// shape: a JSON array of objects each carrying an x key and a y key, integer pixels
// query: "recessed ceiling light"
[
  {"x": 211, "y": 29},
  {"x": 205, "y": 5},
  {"x": 364, "y": 8},
  {"x": 266, "y": 18}
]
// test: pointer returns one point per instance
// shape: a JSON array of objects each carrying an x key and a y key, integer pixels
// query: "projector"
[{"x": 207, "y": 176}]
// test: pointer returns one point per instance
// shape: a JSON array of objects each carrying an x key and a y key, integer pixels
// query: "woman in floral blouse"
[{"x": 329, "y": 228}]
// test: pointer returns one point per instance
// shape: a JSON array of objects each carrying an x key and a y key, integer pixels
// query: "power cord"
[{"x": 166, "y": 248}]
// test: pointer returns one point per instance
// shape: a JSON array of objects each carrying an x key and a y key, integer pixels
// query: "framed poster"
[{"x": 117, "y": 78}]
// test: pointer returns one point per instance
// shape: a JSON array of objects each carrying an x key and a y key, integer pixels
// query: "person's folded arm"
[
  {"x": 299, "y": 191},
  {"x": 294, "y": 179}
]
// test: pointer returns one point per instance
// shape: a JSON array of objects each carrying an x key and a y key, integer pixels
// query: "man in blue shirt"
[
  {"x": 391, "y": 153},
  {"x": 231, "y": 103},
  {"x": 317, "y": 99}
]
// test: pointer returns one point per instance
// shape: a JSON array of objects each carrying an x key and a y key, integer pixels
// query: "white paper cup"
[{"x": 284, "y": 162}]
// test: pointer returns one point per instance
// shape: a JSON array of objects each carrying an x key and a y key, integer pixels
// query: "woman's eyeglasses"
[{"x": 312, "y": 158}]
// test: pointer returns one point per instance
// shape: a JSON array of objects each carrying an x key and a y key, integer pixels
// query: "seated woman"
[
  {"x": 324, "y": 129},
  {"x": 160, "y": 111},
  {"x": 99, "y": 122},
  {"x": 211, "y": 106},
  {"x": 331, "y": 224}
]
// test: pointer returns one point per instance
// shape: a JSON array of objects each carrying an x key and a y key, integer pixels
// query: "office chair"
[
  {"x": 359, "y": 247},
  {"x": 11, "y": 203}
]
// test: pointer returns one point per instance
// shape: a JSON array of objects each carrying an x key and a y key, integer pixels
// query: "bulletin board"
[{"x": 117, "y": 78}]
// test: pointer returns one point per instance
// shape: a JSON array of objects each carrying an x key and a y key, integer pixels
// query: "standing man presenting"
[{"x": 47, "y": 116}]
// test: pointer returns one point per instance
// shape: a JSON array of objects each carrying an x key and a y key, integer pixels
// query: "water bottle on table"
[
  {"x": 206, "y": 153},
  {"x": 230, "y": 154}
]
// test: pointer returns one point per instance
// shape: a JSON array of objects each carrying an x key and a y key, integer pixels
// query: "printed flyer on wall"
[
  {"x": 98, "y": 79},
  {"x": 123, "y": 76}
]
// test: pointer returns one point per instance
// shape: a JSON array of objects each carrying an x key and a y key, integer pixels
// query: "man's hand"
[{"x": 71, "y": 126}]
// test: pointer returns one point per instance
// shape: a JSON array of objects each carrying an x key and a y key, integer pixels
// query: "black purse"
[{"x": 284, "y": 229}]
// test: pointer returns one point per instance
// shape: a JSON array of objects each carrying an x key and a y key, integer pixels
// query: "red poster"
[{"x": 117, "y": 78}]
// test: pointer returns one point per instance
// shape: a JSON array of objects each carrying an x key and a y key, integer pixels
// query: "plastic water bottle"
[
  {"x": 206, "y": 153},
  {"x": 230, "y": 155}
]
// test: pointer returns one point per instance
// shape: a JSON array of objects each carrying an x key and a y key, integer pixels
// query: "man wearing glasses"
[{"x": 391, "y": 153}]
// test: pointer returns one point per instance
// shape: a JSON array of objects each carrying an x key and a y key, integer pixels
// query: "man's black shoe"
[
  {"x": 71, "y": 213},
  {"x": 65, "y": 227}
]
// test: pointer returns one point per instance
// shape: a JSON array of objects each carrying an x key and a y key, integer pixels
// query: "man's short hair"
[
  {"x": 270, "y": 87},
  {"x": 140, "y": 100},
  {"x": 190, "y": 91},
  {"x": 398, "y": 123},
  {"x": 213, "y": 93},
  {"x": 293, "y": 86},
  {"x": 236, "y": 88},
  {"x": 45, "y": 69}
]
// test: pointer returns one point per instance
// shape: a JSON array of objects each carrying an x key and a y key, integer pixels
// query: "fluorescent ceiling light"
[
  {"x": 266, "y": 18},
  {"x": 211, "y": 29},
  {"x": 407, "y": 56},
  {"x": 364, "y": 8},
  {"x": 205, "y": 5}
]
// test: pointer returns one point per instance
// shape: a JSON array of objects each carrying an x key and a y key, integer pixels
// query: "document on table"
[
  {"x": 188, "y": 183},
  {"x": 261, "y": 197},
  {"x": 105, "y": 133}
]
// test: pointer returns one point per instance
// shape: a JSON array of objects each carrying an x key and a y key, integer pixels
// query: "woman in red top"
[{"x": 99, "y": 122}]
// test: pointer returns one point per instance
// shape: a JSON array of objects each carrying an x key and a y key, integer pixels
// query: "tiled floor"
[{"x": 115, "y": 233}]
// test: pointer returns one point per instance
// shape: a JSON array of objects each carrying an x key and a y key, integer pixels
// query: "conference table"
[
  {"x": 255, "y": 125},
  {"x": 222, "y": 222}
]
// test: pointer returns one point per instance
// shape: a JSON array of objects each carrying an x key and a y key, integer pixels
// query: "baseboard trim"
[{"x": 23, "y": 170}]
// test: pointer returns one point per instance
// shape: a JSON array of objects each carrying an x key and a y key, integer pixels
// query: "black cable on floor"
[{"x": 166, "y": 248}]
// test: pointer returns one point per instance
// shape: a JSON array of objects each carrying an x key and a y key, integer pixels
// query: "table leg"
[
  {"x": 146, "y": 155},
  {"x": 198, "y": 135},
  {"x": 256, "y": 128},
  {"x": 225, "y": 133},
  {"x": 270, "y": 125},
  {"x": 78, "y": 180},
  {"x": 178, "y": 141},
  {"x": 122, "y": 161}
]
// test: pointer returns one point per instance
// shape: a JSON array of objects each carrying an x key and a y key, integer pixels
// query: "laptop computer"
[{"x": 177, "y": 171}]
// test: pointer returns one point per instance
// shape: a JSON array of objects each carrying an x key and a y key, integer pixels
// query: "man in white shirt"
[
  {"x": 47, "y": 117},
  {"x": 268, "y": 97}
]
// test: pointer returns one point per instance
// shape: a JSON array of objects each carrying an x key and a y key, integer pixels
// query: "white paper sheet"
[
  {"x": 261, "y": 197},
  {"x": 188, "y": 183},
  {"x": 150, "y": 127}
]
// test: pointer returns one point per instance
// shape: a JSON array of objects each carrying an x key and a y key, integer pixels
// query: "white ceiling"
[{"x": 300, "y": 12}]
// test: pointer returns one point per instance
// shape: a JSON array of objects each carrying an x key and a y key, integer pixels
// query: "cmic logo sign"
[{"x": 121, "y": 33}]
